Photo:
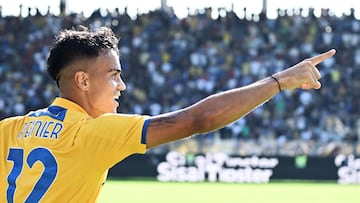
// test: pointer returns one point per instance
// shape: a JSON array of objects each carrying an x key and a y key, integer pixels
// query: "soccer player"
[{"x": 63, "y": 152}]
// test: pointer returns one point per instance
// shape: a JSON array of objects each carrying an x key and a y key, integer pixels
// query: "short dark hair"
[{"x": 72, "y": 44}]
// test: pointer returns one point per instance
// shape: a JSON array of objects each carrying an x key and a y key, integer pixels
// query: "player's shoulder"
[
  {"x": 15, "y": 119},
  {"x": 9, "y": 121}
]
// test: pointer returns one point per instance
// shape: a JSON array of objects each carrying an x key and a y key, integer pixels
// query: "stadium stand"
[{"x": 170, "y": 63}]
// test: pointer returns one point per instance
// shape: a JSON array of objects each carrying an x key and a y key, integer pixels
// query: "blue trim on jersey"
[
  {"x": 55, "y": 112},
  {"x": 144, "y": 131}
]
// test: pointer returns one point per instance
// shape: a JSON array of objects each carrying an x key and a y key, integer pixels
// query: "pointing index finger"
[{"x": 322, "y": 57}]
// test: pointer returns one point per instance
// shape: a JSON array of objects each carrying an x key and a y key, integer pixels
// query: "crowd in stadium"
[{"x": 170, "y": 62}]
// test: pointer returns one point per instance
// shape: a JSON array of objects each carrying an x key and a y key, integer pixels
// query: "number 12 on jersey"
[{"x": 47, "y": 177}]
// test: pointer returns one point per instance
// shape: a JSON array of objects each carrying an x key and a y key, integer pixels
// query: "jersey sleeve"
[{"x": 111, "y": 138}]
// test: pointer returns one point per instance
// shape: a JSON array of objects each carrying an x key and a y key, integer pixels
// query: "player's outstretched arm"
[{"x": 218, "y": 110}]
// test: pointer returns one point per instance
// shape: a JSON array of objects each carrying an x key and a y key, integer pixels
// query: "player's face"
[{"x": 105, "y": 83}]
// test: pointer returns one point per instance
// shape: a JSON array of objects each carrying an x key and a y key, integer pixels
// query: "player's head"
[
  {"x": 86, "y": 67},
  {"x": 74, "y": 45}
]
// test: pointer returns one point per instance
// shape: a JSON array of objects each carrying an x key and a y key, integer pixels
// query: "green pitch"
[{"x": 137, "y": 191}]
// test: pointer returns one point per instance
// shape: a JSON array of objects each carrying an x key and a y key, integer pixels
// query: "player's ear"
[{"x": 81, "y": 80}]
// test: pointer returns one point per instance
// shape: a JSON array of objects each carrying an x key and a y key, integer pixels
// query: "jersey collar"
[{"x": 68, "y": 104}]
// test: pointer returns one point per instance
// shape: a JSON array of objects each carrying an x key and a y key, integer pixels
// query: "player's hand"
[{"x": 305, "y": 74}]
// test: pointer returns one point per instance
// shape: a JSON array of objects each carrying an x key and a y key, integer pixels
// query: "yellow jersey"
[{"x": 61, "y": 154}]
